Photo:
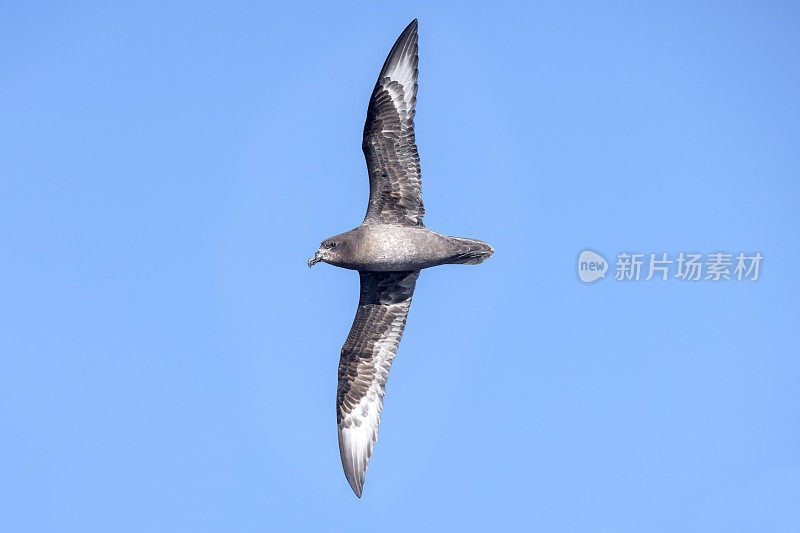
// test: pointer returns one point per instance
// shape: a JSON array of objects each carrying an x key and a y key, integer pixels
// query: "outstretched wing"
[
  {"x": 395, "y": 186},
  {"x": 364, "y": 366}
]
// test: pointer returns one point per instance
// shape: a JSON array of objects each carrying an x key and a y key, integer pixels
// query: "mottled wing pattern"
[
  {"x": 395, "y": 186},
  {"x": 364, "y": 366}
]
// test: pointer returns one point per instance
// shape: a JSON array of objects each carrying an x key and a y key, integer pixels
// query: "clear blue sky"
[{"x": 169, "y": 361}]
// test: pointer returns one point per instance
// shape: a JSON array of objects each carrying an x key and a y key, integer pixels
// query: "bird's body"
[
  {"x": 388, "y": 249},
  {"x": 394, "y": 248}
]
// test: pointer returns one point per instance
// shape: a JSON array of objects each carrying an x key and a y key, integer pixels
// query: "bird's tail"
[{"x": 471, "y": 252}]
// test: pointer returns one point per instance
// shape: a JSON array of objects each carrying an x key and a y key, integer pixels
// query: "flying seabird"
[{"x": 388, "y": 249}]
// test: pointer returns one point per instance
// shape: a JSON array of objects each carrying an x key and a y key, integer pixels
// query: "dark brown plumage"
[
  {"x": 388, "y": 249},
  {"x": 395, "y": 185}
]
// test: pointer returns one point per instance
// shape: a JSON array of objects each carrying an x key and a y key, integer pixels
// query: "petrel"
[{"x": 388, "y": 249}]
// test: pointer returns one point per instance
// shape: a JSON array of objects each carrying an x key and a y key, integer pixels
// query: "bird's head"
[{"x": 331, "y": 251}]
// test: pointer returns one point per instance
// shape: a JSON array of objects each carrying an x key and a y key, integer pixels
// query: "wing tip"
[
  {"x": 357, "y": 488},
  {"x": 404, "y": 49},
  {"x": 355, "y": 479},
  {"x": 410, "y": 32},
  {"x": 355, "y": 454}
]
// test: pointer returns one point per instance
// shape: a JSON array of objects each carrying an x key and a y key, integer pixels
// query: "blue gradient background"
[{"x": 169, "y": 361}]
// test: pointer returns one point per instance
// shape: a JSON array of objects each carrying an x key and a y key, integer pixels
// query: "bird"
[{"x": 388, "y": 249}]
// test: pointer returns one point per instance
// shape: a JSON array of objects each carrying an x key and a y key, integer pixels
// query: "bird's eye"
[{"x": 333, "y": 245}]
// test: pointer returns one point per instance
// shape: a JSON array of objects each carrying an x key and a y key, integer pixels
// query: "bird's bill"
[{"x": 314, "y": 260}]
